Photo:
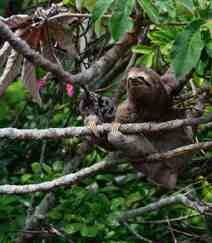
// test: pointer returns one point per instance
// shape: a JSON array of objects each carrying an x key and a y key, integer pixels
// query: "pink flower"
[
  {"x": 70, "y": 89},
  {"x": 40, "y": 83}
]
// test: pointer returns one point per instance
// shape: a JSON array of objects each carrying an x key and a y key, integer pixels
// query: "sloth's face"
[
  {"x": 143, "y": 86},
  {"x": 139, "y": 83}
]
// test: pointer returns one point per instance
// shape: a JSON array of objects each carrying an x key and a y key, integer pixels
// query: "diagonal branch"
[
  {"x": 39, "y": 214},
  {"x": 73, "y": 178},
  {"x": 99, "y": 68},
  {"x": 163, "y": 203},
  {"x": 21, "y": 46},
  {"x": 191, "y": 148},
  {"x": 66, "y": 180}
]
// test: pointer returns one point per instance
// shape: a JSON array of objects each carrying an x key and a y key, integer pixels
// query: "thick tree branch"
[
  {"x": 97, "y": 69},
  {"x": 56, "y": 133},
  {"x": 66, "y": 180}
]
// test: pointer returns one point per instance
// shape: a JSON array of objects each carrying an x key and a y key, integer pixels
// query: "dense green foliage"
[{"x": 181, "y": 35}]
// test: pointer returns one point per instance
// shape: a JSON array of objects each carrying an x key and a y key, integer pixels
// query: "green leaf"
[
  {"x": 163, "y": 36},
  {"x": 151, "y": 11},
  {"x": 3, "y": 4},
  {"x": 7, "y": 200},
  {"x": 58, "y": 166},
  {"x": 26, "y": 178},
  {"x": 209, "y": 48},
  {"x": 133, "y": 197},
  {"x": 55, "y": 215},
  {"x": 58, "y": 117},
  {"x": 187, "y": 49},
  {"x": 15, "y": 93},
  {"x": 120, "y": 21},
  {"x": 47, "y": 169},
  {"x": 69, "y": 2},
  {"x": 166, "y": 7},
  {"x": 117, "y": 203},
  {"x": 4, "y": 111},
  {"x": 89, "y": 4},
  {"x": 146, "y": 60},
  {"x": 208, "y": 25},
  {"x": 100, "y": 8},
  {"x": 72, "y": 217},
  {"x": 89, "y": 231},
  {"x": 105, "y": 177},
  {"x": 142, "y": 49},
  {"x": 188, "y": 4},
  {"x": 72, "y": 228},
  {"x": 36, "y": 167}
]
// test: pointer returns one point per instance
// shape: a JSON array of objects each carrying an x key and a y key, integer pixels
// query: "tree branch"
[
  {"x": 33, "y": 221},
  {"x": 99, "y": 68},
  {"x": 133, "y": 128},
  {"x": 78, "y": 176},
  {"x": 66, "y": 180},
  {"x": 37, "y": 217},
  {"x": 162, "y": 203},
  {"x": 191, "y": 148},
  {"x": 21, "y": 46}
]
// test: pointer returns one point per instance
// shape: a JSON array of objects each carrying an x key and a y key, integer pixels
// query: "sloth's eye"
[
  {"x": 143, "y": 80},
  {"x": 138, "y": 81}
]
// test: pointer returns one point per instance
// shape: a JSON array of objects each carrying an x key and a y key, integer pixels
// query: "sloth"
[{"x": 150, "y": 100}]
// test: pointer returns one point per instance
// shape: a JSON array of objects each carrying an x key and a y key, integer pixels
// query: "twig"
[
  {"x": 164, "y": 221},
  {"x": 138, "y": 236},
  {"x": 199, "y": 91},
  {"x": 78, "y": 15},
  {"x": 171, "y": 230},
  {"x": 42, "y": 154},
  {"x": 180, "y": 198},
  {"x": 194, "y": 236},
  {"x": 205, "y": 127},
  {"x": 191, "y": 148}
]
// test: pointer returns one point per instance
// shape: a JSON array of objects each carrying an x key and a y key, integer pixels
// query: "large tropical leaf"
[
  {"x": 100, "y": 8},
  {"x": 187, "y": 49},
  {"x": 120, "y": 21},
  {"x": 150, "y": 10}
]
